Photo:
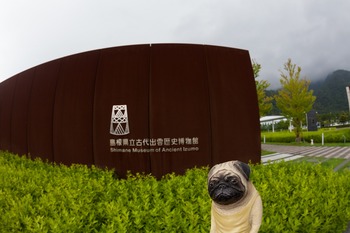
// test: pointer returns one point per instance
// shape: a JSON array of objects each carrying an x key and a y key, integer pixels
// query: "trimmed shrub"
[
  {"x": 330, "y": 136},
  {"x": 284, "y": 137},
  {"x": 36, "y": 196},
  {"x": 301, "y": 197}
]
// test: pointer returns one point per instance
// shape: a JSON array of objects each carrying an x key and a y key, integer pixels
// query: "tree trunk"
[{"x": 297, "y": 130}]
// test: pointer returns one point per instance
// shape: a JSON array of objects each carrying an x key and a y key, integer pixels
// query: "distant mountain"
[{"x": 330, "y": 93}]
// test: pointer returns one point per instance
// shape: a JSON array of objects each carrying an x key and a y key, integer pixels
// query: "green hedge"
[
  {"x": 285, "y": 137},
  {"x": 301, "y": 197},
  {"x": 41, "y": 197},
  {"x": 330, "y": 136}
]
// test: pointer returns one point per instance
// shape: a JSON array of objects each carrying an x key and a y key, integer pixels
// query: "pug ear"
[{"x": 243, "y": 168}]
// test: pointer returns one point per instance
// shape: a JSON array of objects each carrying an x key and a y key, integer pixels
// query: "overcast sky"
[{"x": 315, "y": 34}]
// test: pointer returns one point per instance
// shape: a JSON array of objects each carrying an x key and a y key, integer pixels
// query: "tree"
[
  {"x": 343, "y": 117},
  {"x": 264, "y": 101},
  {"x": 294, "y": 99}
]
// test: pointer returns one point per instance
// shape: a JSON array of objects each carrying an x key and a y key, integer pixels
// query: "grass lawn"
[{"x": 265, "y": 152}]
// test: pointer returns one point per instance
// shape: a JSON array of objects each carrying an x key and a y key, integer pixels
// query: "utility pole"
[{"x": 348, "y": 94}]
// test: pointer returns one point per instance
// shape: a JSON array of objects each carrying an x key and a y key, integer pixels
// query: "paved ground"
[
  {"x": 316, "y": 151},
  {"x": 295, "y": 152}
]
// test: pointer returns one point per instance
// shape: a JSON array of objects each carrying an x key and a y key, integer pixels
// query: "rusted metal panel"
[
  {"x": 40, "y": 111},
  {"x": 234, "y": 108},
  {"x": 179, "y": 108},
  {"x": 144, "y": 108},
  {"x": 7, "y": 89},
  {"x": 122, "y": 79},
  {"x": 19, "y": 123},
  {"x": 73, "y": 109}
]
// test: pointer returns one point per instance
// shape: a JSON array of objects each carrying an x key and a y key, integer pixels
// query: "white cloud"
[{"x": 313, "y": 33}]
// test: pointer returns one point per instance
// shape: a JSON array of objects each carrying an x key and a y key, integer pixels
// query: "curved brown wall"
[{"x": 187, "y": 105}]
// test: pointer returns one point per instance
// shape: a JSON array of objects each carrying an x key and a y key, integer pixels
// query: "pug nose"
[{"x": 222, "y": 186}]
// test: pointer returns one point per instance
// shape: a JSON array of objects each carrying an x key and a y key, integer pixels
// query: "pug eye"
[
  {"x": 231, "y": 179},
  {"x": 211, "y": 184}
]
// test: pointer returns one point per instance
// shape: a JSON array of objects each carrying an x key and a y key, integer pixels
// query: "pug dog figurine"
[{"x": 236, "y": 204}]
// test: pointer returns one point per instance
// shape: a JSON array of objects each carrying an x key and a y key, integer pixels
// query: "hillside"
[{"x": 330, "y": 93}]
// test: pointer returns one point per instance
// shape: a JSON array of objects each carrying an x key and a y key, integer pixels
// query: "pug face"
[{"x": 227, "y": 182}]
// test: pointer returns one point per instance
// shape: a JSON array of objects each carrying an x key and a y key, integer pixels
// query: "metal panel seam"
[
  {"x": 53, "y": 109},
  {"x": 29, "y": 110},
  {"x": 149, "y": 103},
  {"x": 209, "y": 98},
  {"x": 28, "y": 106},
  {"x": 93, "y": 106},
  {"x": 13, "y": 102}
]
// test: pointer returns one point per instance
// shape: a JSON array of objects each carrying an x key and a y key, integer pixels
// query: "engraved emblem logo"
[{"x": 119, "y": 120}]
